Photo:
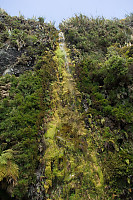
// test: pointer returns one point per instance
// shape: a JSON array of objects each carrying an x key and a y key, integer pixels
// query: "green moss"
[{"x": 51, "y": 131}]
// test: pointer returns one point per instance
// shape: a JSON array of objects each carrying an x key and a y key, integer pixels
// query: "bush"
[{"x": 116, "y": 72}]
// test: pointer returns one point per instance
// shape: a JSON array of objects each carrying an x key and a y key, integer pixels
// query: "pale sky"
[{"x": 57, "y": 10}]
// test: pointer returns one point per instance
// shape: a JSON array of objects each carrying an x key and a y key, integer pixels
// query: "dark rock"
[{"x": 7, "y": 59}]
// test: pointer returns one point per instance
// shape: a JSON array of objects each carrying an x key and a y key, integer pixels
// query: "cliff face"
[
  {"x": 22, "y": 41},
  {"x": 8, "y": 57},
  {"x": 66, "y": 114}
]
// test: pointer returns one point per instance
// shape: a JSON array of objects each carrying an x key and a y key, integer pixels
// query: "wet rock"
[
  {"x": 37, "y": 191},
  {"x": 7, "y": 71},
  {"x": 7, "y": 59}
]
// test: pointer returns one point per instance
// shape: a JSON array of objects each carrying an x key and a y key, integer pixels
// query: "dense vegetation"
[
  {"x": 66, "y": 116},
  {"x": 103, "y": 55},
  {"x": 23, "y": 41},
  {"x": 25, "y": 101}
]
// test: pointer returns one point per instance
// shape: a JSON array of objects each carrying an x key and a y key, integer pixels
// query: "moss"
[
  {"x": 51, "y": 131},
  {"x": 66, "y": 147}
]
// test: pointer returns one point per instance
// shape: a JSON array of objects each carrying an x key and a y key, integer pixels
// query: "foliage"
[
  {"x": 67, "y": 135},
  {"x": 68, "y": 171},
  {"x": 28, "y": 37},
  {"x": 21, "y": 116},
  {"x": 92, "y": 35},
  {"x": 103, "y": 73},
  {"x": 41, "y": 20},
  {"x": 8, "y": 169}
]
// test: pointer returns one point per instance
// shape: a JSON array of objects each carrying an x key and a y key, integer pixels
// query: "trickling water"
[
  {"x": 61, "y": 37},
  {"x": 8, "y": 71},
  {"x": 62, "y": 46},
  {"x": 65, "y": 139}
]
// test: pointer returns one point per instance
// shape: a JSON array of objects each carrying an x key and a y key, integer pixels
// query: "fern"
[{"x": 8, "y": 169}]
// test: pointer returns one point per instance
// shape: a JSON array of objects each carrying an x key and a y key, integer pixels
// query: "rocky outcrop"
[
  {"x": 7, "y": 58},
  {"x": 21, "y": 42}
]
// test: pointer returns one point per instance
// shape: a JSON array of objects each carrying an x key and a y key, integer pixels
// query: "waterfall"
[{"x": 62, "y": 46}]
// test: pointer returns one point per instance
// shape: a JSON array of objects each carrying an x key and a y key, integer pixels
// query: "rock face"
[
  {"x": 11, "y": 61},
  {"x": 7, "y": 59},
  {"x": 21, "y": 42},
  {"x": 37, "y": 191}
]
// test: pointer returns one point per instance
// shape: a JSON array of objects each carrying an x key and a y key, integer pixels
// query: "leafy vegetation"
[
  {"x": 89, "y": 35},
  {"x": 23, "y": 41},
  {"x": 25, "y": 103},
  {"x": 66, "y": 125},
  {"x": 103, "y": 73},
  {"x": 71, "y": 170},
  {"x": 21, "y": 117}
]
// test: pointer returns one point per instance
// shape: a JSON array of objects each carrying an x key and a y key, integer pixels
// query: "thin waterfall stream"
[
  {"x": 62, "y": 46},
  {"x": 65, "y": 137}
]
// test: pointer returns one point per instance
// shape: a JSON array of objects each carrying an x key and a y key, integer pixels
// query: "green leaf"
[
  {"x": 127, "y": 161},
  {"x": 128, "y": 180}
]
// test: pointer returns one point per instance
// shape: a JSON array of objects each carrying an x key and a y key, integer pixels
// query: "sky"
[{"x": 58, "y": 10}]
